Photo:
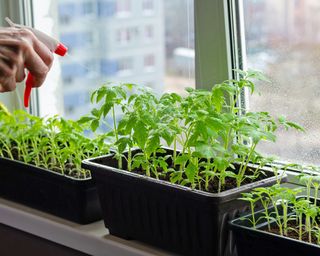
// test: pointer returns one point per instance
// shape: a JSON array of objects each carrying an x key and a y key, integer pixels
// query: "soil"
[{"x": 292, "y": 232}]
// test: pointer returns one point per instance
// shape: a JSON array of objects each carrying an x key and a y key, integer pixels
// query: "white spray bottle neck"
[{"x": 53, "y": 44}]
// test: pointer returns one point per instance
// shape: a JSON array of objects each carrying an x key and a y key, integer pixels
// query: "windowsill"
[{"x": 93, "y": 239}]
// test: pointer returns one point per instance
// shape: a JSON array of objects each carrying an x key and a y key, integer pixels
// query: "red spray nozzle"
[{"x": 61, "y": 49}]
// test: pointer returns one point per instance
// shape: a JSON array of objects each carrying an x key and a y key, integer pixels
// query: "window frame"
[{"x": 215, "y": 56}]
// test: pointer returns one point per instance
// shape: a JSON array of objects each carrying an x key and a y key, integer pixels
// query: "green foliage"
[
  {"x": 211, "y": 131},
  {"x": 281, "y": 206},
  {"x": 53, "y": 143}
]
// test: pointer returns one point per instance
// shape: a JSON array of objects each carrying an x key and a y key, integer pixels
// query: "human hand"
[{"x": 20, "y": 49}]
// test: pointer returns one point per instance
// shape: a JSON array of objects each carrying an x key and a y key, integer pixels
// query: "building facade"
[{"x": 109, "y": 41}]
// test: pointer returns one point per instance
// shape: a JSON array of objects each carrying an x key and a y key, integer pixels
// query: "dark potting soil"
[{"x": 293, "y": 232}]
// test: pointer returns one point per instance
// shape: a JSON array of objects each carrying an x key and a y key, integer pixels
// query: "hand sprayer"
[{"x": 54, "y": 46}]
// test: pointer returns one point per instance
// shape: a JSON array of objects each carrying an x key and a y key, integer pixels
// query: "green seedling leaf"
[
  {"x": 189, "y": 89},
  {"x": 106, "y": 108},
  {"x": 94, "y": 125},
  {"x": 153, "y": 144},
  {"x": 257, "y": 75},
  {"x": 122, "y": 144},
  {"x": 85, "y": 119},
  {"x": 191, "y": 171},
  {"x": 140, "y": 133},
  {"x": 296, "y": 126},
  {"x": 205, "y": 150},
  {"x": 95, "y": 112},
  {"x": 218, "y": 98},
  {"x": 181, "y": 159},
  {"x": 230, "y": 174},
  {"x": 176, "y": 177}
]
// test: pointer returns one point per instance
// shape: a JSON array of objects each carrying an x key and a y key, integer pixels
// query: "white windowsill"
[{"x": 93, "y": 239}]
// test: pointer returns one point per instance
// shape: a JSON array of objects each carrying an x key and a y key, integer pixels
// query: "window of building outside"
[
  {"x": 148, "y": 6},
  {"x": 149, "y": 63},
  {"x": 124, "y": 36},
  {"x": 283, "y": 41},
  {"x": 149, "y": 32},
  {"x": 96, "y": 56},
  {"x": 88, "y": 8},
  {"x": 123, "y": 8},
  {"x": 125, "y": 67}
]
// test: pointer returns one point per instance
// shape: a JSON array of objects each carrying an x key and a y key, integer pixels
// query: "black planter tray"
[
  {"x": 63, "y": 196},
  {"x": 253, "y": 242},
  {"x": 169, "y": 216}
]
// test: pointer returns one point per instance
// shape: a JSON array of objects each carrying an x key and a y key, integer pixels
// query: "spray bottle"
[{"x": 53, "y": 45}]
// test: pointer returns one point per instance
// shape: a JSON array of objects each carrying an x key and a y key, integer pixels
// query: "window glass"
[
  {"x": 123, "y": 7},
  {"x": 147, "y": 6},
  {"x": 149, "y": 32},
  {"x": 283, "y": 40},
  {"x": 115, "y": 41}
]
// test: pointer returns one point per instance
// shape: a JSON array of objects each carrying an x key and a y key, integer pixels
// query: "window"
[
  {"x": 79, "y": 39},
  {"x": 124, "y": 67},
  {"x": 123, "y": 8},
  {"x": 148, "y": 7},
  {"x": 282, "y": 40},
  {"x": 109, "y": 48},
  {"x": 106, "y": 8},
  {"x": 123, "y": 36},
  {"x": 149, "y": 33},
  {"x": 88, "y": 8},
  {"x": 126, "y": 35},
  {"x": 149, "y": 63}
]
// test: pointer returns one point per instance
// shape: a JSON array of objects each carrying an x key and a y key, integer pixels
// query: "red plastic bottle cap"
[{"x": 61, "y": 49}]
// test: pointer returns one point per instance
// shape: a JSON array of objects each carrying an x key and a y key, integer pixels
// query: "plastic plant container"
[
  {"x": 169, "y": 216},
  {"x": 63, "y": 196},
  {"x": 253, "y": 242}
]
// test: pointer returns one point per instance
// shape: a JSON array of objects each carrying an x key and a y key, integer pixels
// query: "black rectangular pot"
[
  {"x": 253, "y": 242},
  {"x": 72, "y": 199},
  {"x": 172, "y": 217}
]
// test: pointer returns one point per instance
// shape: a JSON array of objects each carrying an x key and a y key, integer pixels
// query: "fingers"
[
  {"x": 7, "y": 74},
  {"x": 19, "y": 49},
  {"x": 38, "y": 58},
  {"x": 13, "y": 58}
]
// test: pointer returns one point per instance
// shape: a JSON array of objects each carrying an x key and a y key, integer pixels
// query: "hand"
[{"x": 20, "y": 49}]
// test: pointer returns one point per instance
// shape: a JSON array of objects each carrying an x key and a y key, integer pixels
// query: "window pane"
[
  {"x": 138, "y": 41},
  {"x": 283, "y": 40}
]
